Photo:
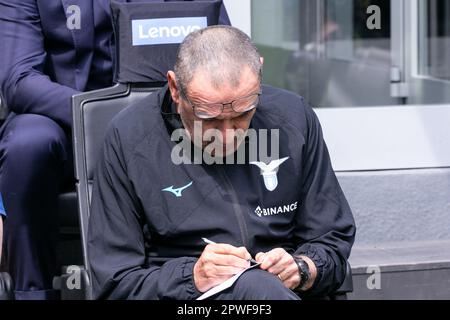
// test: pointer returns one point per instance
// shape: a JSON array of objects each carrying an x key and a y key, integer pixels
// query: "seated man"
[{"x": 153, "y": 207}]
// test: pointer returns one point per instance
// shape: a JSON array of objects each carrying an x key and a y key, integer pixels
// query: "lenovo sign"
[{"x": 165, "y": 31}]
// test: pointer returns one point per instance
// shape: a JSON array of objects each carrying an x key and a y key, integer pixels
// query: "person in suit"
[{"x": 44, "y": 61}]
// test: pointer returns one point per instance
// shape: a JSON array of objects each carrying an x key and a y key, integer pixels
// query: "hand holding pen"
[
  {"x": 217, "y": 263},
  {"x": 207, "y": 241}
]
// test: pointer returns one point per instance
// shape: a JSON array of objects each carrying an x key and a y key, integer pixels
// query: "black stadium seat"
[
  {"x": 92, "y": 113},
  {"x": 6, "y": 287}
]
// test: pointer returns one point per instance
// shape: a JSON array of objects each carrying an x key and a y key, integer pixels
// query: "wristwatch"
[{"x": 303, "y": 270}]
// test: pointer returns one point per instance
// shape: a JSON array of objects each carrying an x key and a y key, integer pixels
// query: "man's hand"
[
  {"x": 281, "y": 264},
  {"x": 218, "y": 263}
]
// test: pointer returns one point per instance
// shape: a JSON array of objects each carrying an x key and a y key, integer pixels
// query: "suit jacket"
[{"x": 42, "y": 61}]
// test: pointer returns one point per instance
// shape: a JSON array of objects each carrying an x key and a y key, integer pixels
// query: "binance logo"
[{"x": 264, "y": 212}]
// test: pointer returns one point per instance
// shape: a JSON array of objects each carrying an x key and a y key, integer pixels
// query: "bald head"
[{"x": 222, "y": 52}]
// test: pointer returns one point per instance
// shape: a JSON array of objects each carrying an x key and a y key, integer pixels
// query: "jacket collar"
[{"x": 169, "y": 112}]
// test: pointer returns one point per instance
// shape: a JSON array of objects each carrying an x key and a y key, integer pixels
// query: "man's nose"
[{"x": 226, "y": 128}]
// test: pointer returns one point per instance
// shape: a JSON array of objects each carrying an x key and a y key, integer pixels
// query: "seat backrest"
[
  {"x": 92, "y": 113},
  {"x": 346, "y": 287}
]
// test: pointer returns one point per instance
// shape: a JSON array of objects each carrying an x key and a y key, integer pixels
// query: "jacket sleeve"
[
  {"x": 325, "y": 227},
  {"x": 116, "y": 246},
  {"x": 24, "y": 86}
]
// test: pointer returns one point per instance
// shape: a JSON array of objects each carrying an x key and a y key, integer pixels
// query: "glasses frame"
[{"x": 251, "y": 107}]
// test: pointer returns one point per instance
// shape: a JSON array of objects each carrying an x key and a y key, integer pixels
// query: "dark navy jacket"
[
  {"x": 144, "y": 242},
  {"x": 43, "y": 63}
]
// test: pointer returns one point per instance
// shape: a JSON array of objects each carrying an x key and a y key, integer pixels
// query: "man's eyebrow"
[
  {"x": 202, "y": 101},
  {"x": 216, "y": 102},
  {"x": 242, "y": 114},
  {"x": 199, "y": 100},
  {"x": 196, "y": 100}
]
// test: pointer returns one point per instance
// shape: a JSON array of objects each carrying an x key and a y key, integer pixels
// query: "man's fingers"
[
  {"x": 226, "y": 260},
  {"x": 292, "y": 282},
  {"x": 212, "y": 269},
  {"x": 225, "y": 271},
  {"x": 286, "y": 272},
  {"x": 271, "y": 258},
  {"x": 260, "y": 257},
  {"x": 284, "y": 265},
  {"x": 227, "y": 249},
  {"x": 244, "y": 253}
]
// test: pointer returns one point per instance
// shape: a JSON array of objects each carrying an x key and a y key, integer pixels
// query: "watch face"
[
  {"x": 304, "y": 267},
  {"x": 304, "y": 271}
]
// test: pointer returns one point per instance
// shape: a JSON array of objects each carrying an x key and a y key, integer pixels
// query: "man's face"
[{"x": 223, "y": 134}]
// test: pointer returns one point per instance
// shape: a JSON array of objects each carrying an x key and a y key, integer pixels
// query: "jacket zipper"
[{"x": 237, "y": 209}]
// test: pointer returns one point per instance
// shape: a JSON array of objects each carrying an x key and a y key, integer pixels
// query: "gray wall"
[
  {"x": 403, "y": 228},
  {"x": 397, "y": 206}
]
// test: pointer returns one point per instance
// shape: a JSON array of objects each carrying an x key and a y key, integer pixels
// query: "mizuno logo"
[
  {"x": 276, "y": 210},
  {"x": 269, "y": 172},
  {"x": 177, "y": 192}
]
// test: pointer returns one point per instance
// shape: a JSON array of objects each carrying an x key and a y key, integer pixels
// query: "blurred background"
[{"x": 377, "y": 73}]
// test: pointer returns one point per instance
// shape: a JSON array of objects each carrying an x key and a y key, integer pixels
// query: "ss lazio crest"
[{"x": 269, "y": 172}]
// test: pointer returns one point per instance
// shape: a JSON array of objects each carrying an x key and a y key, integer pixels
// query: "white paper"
[{"x": 225, "y": 285}]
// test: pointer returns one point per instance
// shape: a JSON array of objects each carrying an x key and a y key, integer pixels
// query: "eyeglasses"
[{"x": 213, "y": 110}]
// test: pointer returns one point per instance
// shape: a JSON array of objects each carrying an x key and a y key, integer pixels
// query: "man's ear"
[
  {"x": 262, "y": 60},
  {"x": 174, "y": 92}
]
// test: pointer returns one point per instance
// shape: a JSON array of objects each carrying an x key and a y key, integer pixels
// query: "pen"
[
  {"x": 207, "y": 241},
  {"x": 212, "y": 242}
]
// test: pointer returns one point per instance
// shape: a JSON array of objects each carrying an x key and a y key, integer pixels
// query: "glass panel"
[
  {"x": 435, "y": 45},
  {"x": 325, "y": 51}
]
